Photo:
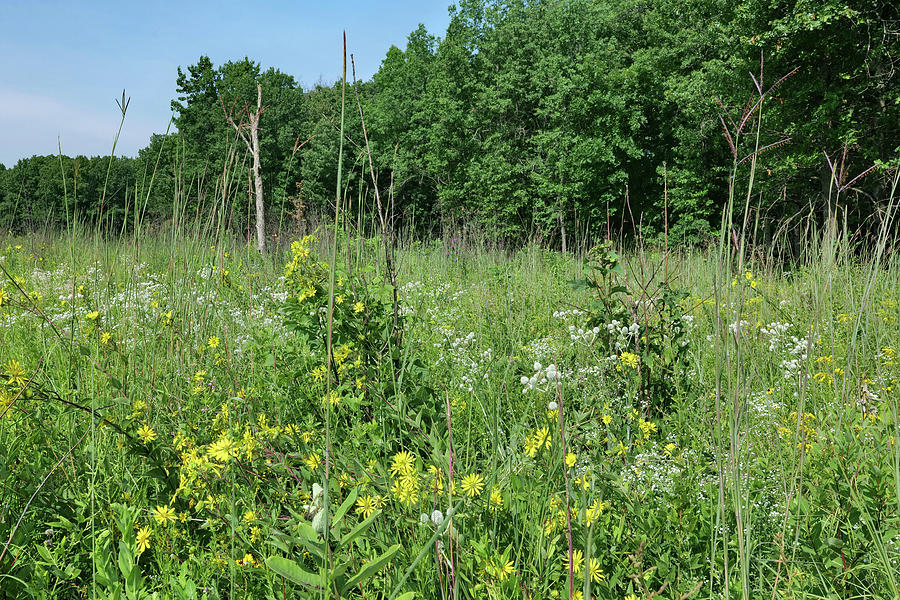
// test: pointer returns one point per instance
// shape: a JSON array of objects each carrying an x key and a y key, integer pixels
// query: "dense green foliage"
[{"x": 540, "y": 120}]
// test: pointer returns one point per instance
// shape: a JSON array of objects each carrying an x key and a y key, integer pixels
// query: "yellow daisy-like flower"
[
  {"x": 249, "y": 516},
  {"x": 222, "y": 450},
  {"x": 146, "y": 434},
  {"x": 164, "y": 515},
  {"x": 571, "y": 457},
  {"x": 629, "y": 359},
  {"x": 406, "y": 490},
  {"x": 595, "y": 571},
  {"x": 143, "y": 539},
  {"x": 16, "y": 373},
  {"x": 358, "y": 307},
  {"x": 93, "y": 315},
  {"x": 472, "y": 485},
  {"x": 313, "y": 461},
  {"x": 403, "y": 463},
  {"x": 105, "y": 337},
  {"x": 365, "y": 506},
  {"x": 496, "y": 500},
  {"x": 213, "y": 341},
  {"x": 577, "y": 561}
]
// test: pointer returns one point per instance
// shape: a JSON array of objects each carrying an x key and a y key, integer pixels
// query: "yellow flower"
[
  {"x": 577, "y": 561},
  {"x": 213, "y": 342},
  {"x": 249, "y": 516},
  {"x": 358, "y": 307},
  {"x": 365, "y": 506},
  {"x": 496, "y": 501},
  {"x": 606, "y": 419},
  {"x": 472, "y": 485},
  {"x": 222, "y": 449},
  {"x": 406, "y": 490},
  {"x": 313, "y": 461},
  {"x": 403, "y": 463},
  {"x": 105, "y": 337},
  {"x": 93, "y": 315},
  {"x": 629, "y": 359},
  {"x": 571, "y": 457},
  {"x": 146, "y": 434},
  {"x": 595, "y": 571},
  {"x": 164, "y": 515},
  {"x": 16, "y": 373},
  {"x": 143, "y": 539}
]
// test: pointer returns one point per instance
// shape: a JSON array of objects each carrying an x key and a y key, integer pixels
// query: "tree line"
[{"x": 552, "y": 120}]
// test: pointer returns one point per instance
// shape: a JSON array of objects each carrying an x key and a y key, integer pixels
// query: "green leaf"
[
  {"x": 371, "y": 568},
  {"x": 342, "y": 510},
  {"x": 356, "y": 531},
  {"x": 292, "y": 571}
]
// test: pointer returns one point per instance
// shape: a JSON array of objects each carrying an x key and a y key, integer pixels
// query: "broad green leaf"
[
  {"x": 292, "y": 571},
  {"x": 371, "y": 568}
]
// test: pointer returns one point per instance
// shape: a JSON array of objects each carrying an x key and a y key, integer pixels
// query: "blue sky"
[{"x": 65, "y": 63}]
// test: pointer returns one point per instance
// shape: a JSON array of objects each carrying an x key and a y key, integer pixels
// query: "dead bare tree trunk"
[{"x": 249, "y": 132}]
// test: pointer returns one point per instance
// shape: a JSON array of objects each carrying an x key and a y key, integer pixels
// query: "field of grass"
[{"x": 183, "y": 418}]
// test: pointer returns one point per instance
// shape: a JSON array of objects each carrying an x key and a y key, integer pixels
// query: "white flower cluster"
[
  {"x": 586, "y": 337},
  {"x": 541, "y": 379},
  {"x": 624, "y": 334}
]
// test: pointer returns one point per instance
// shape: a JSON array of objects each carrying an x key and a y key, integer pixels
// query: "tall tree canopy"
[{"x": 553, "y": 119}]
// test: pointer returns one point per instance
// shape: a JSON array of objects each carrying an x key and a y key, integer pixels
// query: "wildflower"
[
  {"x": 472, "y": 485},
  {"x": 629, "y": 359},
  {"x": 607, "y": 419},
  {"x": 222, "y": 449},
  {"x": 595, "y": 510},
  {"x": 595, "y": 571},
  {"x": 539, "y": 438},
  {"x": 313, "y": 461},
  {"x": 358, "y": 307},
  {"x": 164, "y": 515},
  {"x": 16, "y": 373},
  {"x": 577, "y": 562},
  {"x": 403, "y": 463},
  {"x": 247, "y": 561},
  {"x": 437, "y": 517},
  {"x": 143, "y": 539},
  {"x": 500, "y": 570},
  {"x": 93, "y": 315},
  {"x": 4, "y": 297},
  {"x": 255, "y": 534},
  {"x": 552, "y": 406},
  {"x": 365, "y": 506},
  {"x": 249, "y": 516},
  {"x": 571, "y": 457},
  {"x": 496, "y": 500},
  {"x": 105, "y": 337},
  {"x": 213, "y": 342},
  {"x": 146, "y": 434},
  {"x": 631, "y": 597},
  {"x": 318, "y": 373},
  {"x": 406, "y": 490},
  {"x": 331, "y": 398}
]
